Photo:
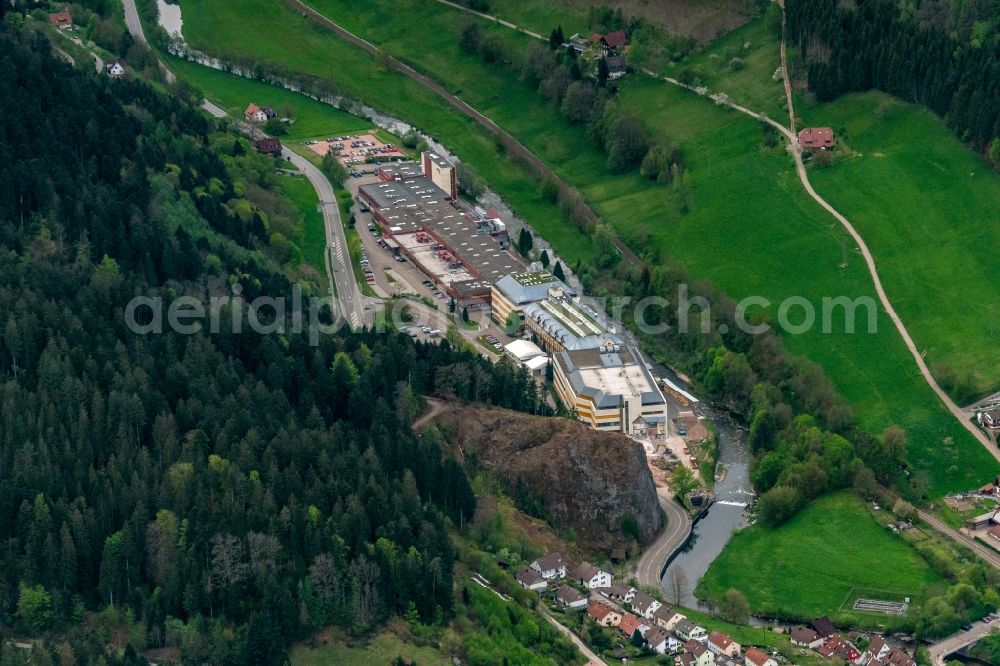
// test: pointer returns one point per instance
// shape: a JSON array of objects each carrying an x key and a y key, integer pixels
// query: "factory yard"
[{"x": 356, "y": 149}]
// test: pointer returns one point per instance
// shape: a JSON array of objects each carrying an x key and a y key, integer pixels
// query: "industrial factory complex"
[{"x": 464, "y": 251}]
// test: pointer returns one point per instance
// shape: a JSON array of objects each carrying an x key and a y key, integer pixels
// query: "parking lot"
[{"x": 356, "y": 149}]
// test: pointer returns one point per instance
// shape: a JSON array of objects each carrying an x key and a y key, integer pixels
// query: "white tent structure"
[{"x": 528, "y": 354}]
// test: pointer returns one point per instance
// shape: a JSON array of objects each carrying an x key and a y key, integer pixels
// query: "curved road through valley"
[{"x": 649, "y": 568}]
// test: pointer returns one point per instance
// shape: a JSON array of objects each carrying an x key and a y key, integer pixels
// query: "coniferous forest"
[
  {"x": 237, "y": 488},
  {"x": 939, "y": 54}
]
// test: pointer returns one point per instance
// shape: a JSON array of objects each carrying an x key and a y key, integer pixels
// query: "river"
[
  {"x": 711, "y": 533},
  {"x": 170, "y": 17}
]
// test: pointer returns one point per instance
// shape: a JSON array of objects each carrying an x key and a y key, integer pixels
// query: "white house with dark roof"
[
  {"x": 990, "y": 418},
  {"x": 701, "y": 655},
  {"x": 115, "y": 68},
  {"x": 686, "y": 630},
  {"x": 656, "y": 639},
  {"x": 550, "y": 566},
  {"x": 619, "y": 591},
  {"x": 590, "y": 576},
  {"x": 531, "y": 580},
  {"x": 644, "y": 604},
  {"x": 570, "y": 597},
  {"x": 877, "y": 650},
  {"x": 617, "y": 66},
  {"x": 667, "y": 618}
]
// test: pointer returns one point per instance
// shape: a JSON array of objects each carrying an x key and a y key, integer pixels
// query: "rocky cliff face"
[{"x": 582, "y": 479}]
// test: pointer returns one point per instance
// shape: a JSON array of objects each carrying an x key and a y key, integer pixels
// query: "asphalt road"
[
  {"x": 942, "y": 649},
  {"x": 134, "y": 26},
  {"x": 348, "y": 296},
  {"x": 650, "y": 566},
  {"x": 215, "y": 110}
]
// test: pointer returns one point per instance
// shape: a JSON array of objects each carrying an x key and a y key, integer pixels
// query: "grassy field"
[
  {"x": 312, "y": 238},
  {"x": 381, "y": 649},
  {"x": 234, "y": 93},
  {"x": 926, "y": 207},
  {"x": 751, "y": 230},
  {"x": 752, "y": 84},
  {"x": 813, "y": 564}
]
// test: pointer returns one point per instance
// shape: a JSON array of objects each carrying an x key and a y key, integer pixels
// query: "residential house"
[
  {"x": 569, "y": 597},
  {"x": 268, "y": 112},
  {"x": 702, "y": 655},
  {"x": 268, "y": 146},
  {"x": 115, "y": 68},
  {"x": 603, "y": 614},
  {"x": 644, "y": 604},
  {"x": 897, "y": 657},
  {"x": 617, "y": 68},
  {"x": 613, "y": 41},
  {"x": 990, "y": 418},
  {"x": 721, "y": 643},
  {"x": 254, "y": 114},
  {"x": 550, "y": 566},
  {"x": 726, "y": 660},
  {"x": 848, "y": 652},
  {"x": 530, "y": 580},
  {"x": 619, "y": 591},
  {"x": 656, "y": 639},
  {"x": 877, "y": 649},
  {"x": 630, "y": 624},
  {"x": 835, "y": 646},
  {"x": 667, "y": 618},
  {"x": 687, "y": 630},
  {"x": 62, "y": 20},
  {"x": 757, "y": 657},
  {"x": 806, "y": 637},
  {"x": 823, "y": 626},
  {"x": 816, "y": 138},
  {"x": 590, "y": 576}
]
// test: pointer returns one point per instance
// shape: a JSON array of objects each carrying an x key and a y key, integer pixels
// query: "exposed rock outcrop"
[{"x": 583, "y": 479}]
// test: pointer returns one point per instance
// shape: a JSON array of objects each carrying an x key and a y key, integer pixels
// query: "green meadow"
[
  {"x": 234, "y": 93},
  {"x": 312, "y": 239},
  {"x": 818, "y": 562},
  {"x": 751, "y": 229},
  {"x": 928, "y": 209}
]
